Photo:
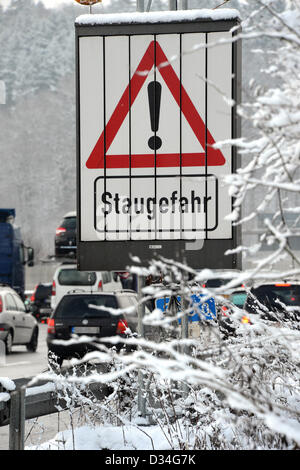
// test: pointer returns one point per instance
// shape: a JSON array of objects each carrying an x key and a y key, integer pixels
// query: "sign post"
[
  {"x": 141, "y": 333},
  {"x": 140, "y": 5},
  {"x": 152, "y": 101},
  {"x": 172, "y": 5}
]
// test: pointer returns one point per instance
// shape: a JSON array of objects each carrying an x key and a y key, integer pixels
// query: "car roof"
[
  {"x": 9, "y": 289},
  {"x": 72, "y": 265},
  {"x": 70, "y": 214},
  {"x": 280, "y": 283},
  {"x": 67, "y": 265}
]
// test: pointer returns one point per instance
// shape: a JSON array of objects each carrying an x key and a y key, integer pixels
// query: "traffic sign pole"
[
  {"x": 141, "y": 333},
  {"x": 140, "y": 5},
  {"x": 184, "y": 4},
  {"x": 172, "y": 4}
]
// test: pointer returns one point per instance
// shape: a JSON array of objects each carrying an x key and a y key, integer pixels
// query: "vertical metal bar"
[
  {"x": 2, "y": 353},
  {"x": 141, "y": 333},
  {"x": 140, "y": 5},
  {"x": 141, "y": 308},
  {"x": 2, "y": 405},
  {"x": 184, "y": 335},
  {"x": 184, "y": 323},
  {"x": 17, "y": 419},
  {"x": 183, "y": 4},
  {"x": 172, "y": 4}
]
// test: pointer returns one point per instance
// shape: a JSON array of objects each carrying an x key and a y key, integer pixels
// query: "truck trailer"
[{"x": 14, "y": 255}]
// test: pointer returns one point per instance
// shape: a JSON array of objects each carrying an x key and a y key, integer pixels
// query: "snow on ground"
[{"x": 107, "y": 437}]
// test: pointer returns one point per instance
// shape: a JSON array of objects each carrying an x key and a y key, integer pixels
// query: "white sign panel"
[{"x": 151, "y": 109}]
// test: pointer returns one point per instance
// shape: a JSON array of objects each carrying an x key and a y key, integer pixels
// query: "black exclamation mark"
[{"x": 154, "y": 96}]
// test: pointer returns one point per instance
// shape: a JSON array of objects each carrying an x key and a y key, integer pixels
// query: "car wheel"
[
  {"x": 8, "y": 343},
  {"x": 32, "y": 346}
]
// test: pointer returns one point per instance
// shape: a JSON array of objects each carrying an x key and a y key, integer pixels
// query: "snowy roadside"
[{"x": 108, "y": 438}]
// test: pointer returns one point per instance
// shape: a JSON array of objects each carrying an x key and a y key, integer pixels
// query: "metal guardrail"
[{"x": 22, "y": 406}]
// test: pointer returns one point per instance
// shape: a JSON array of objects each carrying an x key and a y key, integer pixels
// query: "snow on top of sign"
[{"x": 158, "y": 17}]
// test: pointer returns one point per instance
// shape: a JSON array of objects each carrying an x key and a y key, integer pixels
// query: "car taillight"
[
  {"x": 51, "y": 325},
  {"x": 245, "y": 320},
  {"x": 53, "y": 292},
  {"x": 60, "y": 230},
  {"x": 1, "y": 304},
  {"x": 122, "y": 327},
  {"x": 100, "y": 285},
  {"x": 32, "y": 298},
  {"x": 224, "y": 310}
]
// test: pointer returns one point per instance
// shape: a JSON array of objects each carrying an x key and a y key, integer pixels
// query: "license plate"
[
  {"x": 45, "y": 310},
  {"x": 92, "y": 330}
]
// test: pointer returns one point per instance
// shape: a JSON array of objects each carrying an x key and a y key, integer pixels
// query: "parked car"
[
  {"x": 76, "y": 315},
  {"x": 65, "y": 236},
  {"x": 40, "y": 301},
  {"x": 17, "y": 327},
  {"x": 278, "y": 301},
  {"x": 67, "y": 278}
]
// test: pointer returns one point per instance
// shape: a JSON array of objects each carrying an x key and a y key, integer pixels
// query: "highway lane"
[{"x": 22, "y": 363}]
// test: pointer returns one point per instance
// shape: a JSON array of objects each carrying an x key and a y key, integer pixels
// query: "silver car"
[{"x": 17, "y": 326}]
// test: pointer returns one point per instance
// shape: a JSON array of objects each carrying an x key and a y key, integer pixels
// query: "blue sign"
[
  {"x": 203, "y": 310},
  {"x": 162, "y": 304}
]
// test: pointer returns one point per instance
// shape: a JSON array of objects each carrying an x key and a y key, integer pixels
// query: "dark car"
[
  {"x": 40, "y": 301},
  {"x": 17, "y": 326},
  {"x": 77, "y": 315},
  {"x": 279, "y": 301},
  {"x": 65, "y": 236}
]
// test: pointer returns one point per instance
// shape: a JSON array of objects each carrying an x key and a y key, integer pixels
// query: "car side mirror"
[{"x": 30, "y": 256}]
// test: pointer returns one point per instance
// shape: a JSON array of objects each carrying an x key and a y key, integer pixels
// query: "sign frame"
[{"x": 116, "y": 255}]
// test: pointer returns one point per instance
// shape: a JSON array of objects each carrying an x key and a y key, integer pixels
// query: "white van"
[{"x": 67, "y": 278}]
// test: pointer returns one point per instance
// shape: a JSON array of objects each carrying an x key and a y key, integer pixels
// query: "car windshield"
[
  {"x": 77, "y": 306},
  {"x": 43, "y": 291},
  {"x": 72, "y": 277}
]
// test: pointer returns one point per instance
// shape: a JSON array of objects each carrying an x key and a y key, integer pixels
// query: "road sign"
[
  {"x": 155, "y": 57},
  {"x": 204, "y": 309},
  {"x": 152, "y": 93}
]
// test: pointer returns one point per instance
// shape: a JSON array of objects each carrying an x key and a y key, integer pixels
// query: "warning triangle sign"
[{"x": 154, "y": 56}]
